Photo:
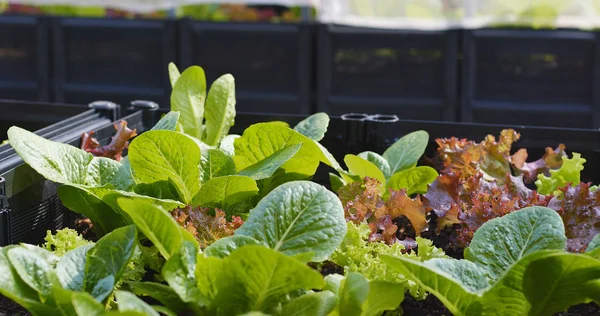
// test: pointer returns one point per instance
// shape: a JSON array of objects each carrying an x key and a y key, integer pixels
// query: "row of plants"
[
  {"x": 205, "y": 12},
  {"x": 187, "y": 219}
]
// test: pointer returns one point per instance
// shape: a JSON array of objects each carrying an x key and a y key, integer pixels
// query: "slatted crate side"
[
  {"x": 535, "y": 78},
  {"x": 116, "y": 59},
  {"x": 271, "y": 63},
  {"x": 24, "y": 58},
  {"x": 34, "y": 206},
  {"x": 407, "y": 73}
]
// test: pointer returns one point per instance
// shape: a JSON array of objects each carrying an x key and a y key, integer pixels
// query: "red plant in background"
[{"x": 114, "y": 149}]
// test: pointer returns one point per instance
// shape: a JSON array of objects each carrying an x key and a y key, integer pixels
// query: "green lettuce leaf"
[
  {"x": 157, "y": 225},
  {"x": 225, "y": 246},
  {"x": 298, "y": 217},
  {"x": 256, "y": 278},
  {"x": 160, "y": 155},
  {"x": 262, "y": 140},
  {"x": 35, "y": 267},
  {"x": 361, "y": 297},
  {"x": 85, "y": 304},
  {"x": 167, "y": 122},
  {"x": 569, "y": 172},
  {"x": 267, "y": 167},
  {"x": 225, "y": 192},
  {"x": 364, "y": 168},
  {"x": 127, "y": 301},
  {"x": 173, "y": 74},
  {"x": 560, "y": 274},
  {"x": 220, "y": 110},
  {"x": 187, "y": 97},
  {"x": 106, "y": 261},
  {"x": 460, "y": 293},
  {"x": 377, "y": 160},
  {"x": 70, "y": 269},
  {"x": 227, "y": 144},
  {"x": 314, "y": 304},
  {"x": 160, "y": 292},
  {"x": 406, "y": 152},
  {"x": 13, "y": 287},
  {"x": 414, "y": 180},
  {"x": 179, "y": 272},
  {"x": 314, "y": 126},
  {"x": 64, "y": 163},
  {"x": 500, "y": 242},
  {"x": 164, "y": 189},
  {"x": 553, "y": 283},
  {"x": 216, "y": 163}
]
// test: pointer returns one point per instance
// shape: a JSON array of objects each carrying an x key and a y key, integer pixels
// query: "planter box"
[
  {"x": 24, "y": 58},
  {"x": 271, "y": 63},
  {"x": 117, "y": 60},
  {"x": 408, "y": 73},
  {"x": 528, "y": 77},
  {"x": 29, "y": 204},
  {"x": 32, "y": 201}
]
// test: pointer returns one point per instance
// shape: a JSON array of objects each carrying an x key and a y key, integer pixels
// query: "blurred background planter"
[
  {"x": 115, "y": 59},
  {"x": 531, "y": 77},
  {"x": 272, "y": 63},
  {"x": 408, "y": 73},
  {"x": 24, "y": 58}
]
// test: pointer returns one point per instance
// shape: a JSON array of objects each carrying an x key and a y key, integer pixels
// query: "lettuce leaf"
[{"x": 569, "y": 172}]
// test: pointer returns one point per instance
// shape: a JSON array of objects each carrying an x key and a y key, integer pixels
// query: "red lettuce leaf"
[
  {"x": 114, "y": 149},
  {"x": 579, "y": 208},
  {"x": 205, "y": 227}
]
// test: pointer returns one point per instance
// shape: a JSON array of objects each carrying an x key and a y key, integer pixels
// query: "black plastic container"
[
  {"x": 271, "y": 63},
  {"x": 24, "y": 59},
  {"x": 34, "y": 116},
  {"x": 408, "y": 73},
  {"x": 536, "y": 78},
  {"x": 29, "y": 204},
  {"x": 112, "y": 59}
]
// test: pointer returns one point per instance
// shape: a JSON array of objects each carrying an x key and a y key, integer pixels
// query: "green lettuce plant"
[
  {"x": 45, "y": 283},
  {"x": 200, "y": 166},
  {"x": 261, "y": 268},
  {"x": 515, "y": 265},
  {"x": 396, "y": 169}
]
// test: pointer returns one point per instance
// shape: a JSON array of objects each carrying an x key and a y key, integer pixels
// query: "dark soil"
[
  {"x": 430, "y": 306},
  {"x": 8, "y": 307},
  {"x": 582, "y": 310}
]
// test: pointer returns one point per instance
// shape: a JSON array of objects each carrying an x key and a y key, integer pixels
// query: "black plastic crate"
[
  {"x": 34, "y": 116},
  {"x": 408, "y": 73},
  {"x": 30, "y": 204},
  {"x": 112, "y": 59},
  {"x": 24, "y": 58},
  {"x": 536, "y": 78},
  {"x": 271, "y": 63}
]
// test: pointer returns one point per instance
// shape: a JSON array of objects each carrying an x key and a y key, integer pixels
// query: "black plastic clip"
[
  {"x": 355, "y": 131},
  {"x": 108, "y": 109},
  {"x": 379, "y": 128},
  {"x": 150, "y": 114}
]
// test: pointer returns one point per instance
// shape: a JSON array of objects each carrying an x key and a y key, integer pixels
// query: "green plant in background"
[
  {"x": 396, "y": 169},
  {"x": 569, "y": 172}
]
